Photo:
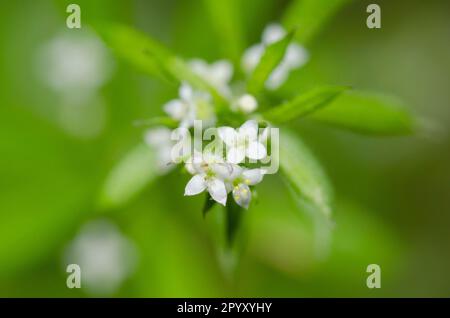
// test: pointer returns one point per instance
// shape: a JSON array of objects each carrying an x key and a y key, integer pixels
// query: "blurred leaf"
[
  {"x": 304, "y": 172},
  {"x": 303, "y": 104},
  {"x": 233, "y": 220},
  {"x": 367, "y": 113},
  {"x": 45, "y": 189},
  {"x": 135, "y": 171},
  {"x": 309, "y": 16},
  {"x": 225, "y": 18},
  {"x": 209, "y": 204},
  {"x": 143, "y": 52},
  {"x": 157, "y": 121},
  {"x": 150, "y": 56},
  {"x": 272, "y": 56}
]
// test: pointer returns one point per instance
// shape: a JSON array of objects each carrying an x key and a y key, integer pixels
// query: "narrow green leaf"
[
  {"x": 144, "y": 53},
  {"x": 367, "y": 113},
  {"x": 233, "y": 220},
  {"x": 272, "y": 56},
  {"x": 208, "y": 205},
  {"x": 304, "y": 172},
  {"x": 135, "y": 171},
  {"x": 152, "y": 57},
  {"x": 157, "y": 121},
  {"x": 225, "y": 19},
  {"x": 303, "y": 104},
  {"x": 309, "y": 16}
]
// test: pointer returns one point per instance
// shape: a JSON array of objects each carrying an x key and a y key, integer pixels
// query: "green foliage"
[
  {"x": 225, "y": 18},
  {"x": 304, "y": 172},
  {"x": 143, "y": 52},
  {"x": 368, "y": 113},
  {"x": 272, "y": 56},
  {"x": 152, "y": 57},
  {"x": 208, "y": 205},
  {"x": 303, "y": 104},
  {"x": 309, "y": 16},
  {"x": 135, "y": 171},
  {"x": 158, "y": 121},
  {"x": 233, "y": 220}
]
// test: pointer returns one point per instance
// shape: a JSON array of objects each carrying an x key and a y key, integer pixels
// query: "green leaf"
[
  {"x": 272, "y": 56},
  {"x": 233, "y": 220},
  {"x": 152, "y": 57},
  {"x": 144, "y": 53},
  {"x": 303, "y": 104},
  {"x": 304, "y": 173},
  {"x": 209, "y": 204},
  {"x": 135, "y": 171},
  {"x": 47, "y": 180},
  {"x": 309, "y": 16},
  {"x": 157, "y": 121},
  {"x": 225, "y": 19},
  {"x": 368, "y": 113}
]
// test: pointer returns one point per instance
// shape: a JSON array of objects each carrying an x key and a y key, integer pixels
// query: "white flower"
[
  {"x": 241, "y": 191},
  {"x": 171, "y": 146},
  {"x": 209, "y": 173},
  {"x": 246, "y": 103},
  {"x": 159, "y": 139},
  {"x": 251, "y": 57},
  {"x": 192, "y": 105},
  {"x": 243, "y": 142},
  {"x": 237, "y": 180},
  {"x": 106, "y": 257},
  {"x": 295, "y": 56},
  {"x": 217, "y": 74},
  {"x": 75, "y": 63}
]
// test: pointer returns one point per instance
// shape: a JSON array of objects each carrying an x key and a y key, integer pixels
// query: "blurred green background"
[{"x": 392, "y": 194}]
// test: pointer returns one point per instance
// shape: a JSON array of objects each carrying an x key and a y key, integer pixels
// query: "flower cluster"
[
  {"x": 221, "y": 176},
  {"x": 212, "y": 171}
]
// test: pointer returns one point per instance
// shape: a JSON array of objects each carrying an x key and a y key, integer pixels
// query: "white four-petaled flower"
[
  {"x": 217, "y": 74},
  {"x": 209, "y": 173},
  {"x": 219, "y": 178},
  {"x": 192, "y": 105},
  {"x": 243, "y": 142},
  {"x": 238, "y": 183}
]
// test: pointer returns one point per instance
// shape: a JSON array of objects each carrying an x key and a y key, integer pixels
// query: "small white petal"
[
  {"x": 228, "y": 135},
  {"x": 212, "y": 158},
  {"x": 195, "y": 186},
  {"x": 247, "y": 103},
  {"x": 176, "y": 109},
  {"x": 252, "y": 176},
  {"x": 277, "y": 77},
  {"x": 190, "y": 168},
  {"x": 217, "y": 190},
  {"x": 251, "y": 57},
  {"x": 186, "y": 93},
  {"x": 236, "y": 171},
  {"x": 229, "y": 187},
  {"x": 242, "y": 195},
  {"x": 256, "y": 151},
  {"x": 222, "y": 170},
  {"x": 158, "y": 137},
  {"x": 272, "y": 33},
  {"x": 236, "y": 154},
  {"x": 249, "y": 130},
  {"x": 222, "y": 71},
  {"x": 296, "y": 55},
  {"x": 198, "y": 66}
]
